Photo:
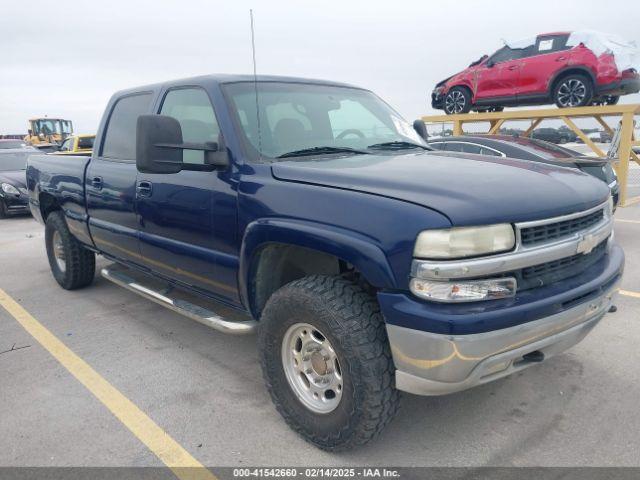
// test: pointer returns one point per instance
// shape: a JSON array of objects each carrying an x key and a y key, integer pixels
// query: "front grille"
[
  {"x": 556, "y": 270},
  {"x": 553, "y": 231}
]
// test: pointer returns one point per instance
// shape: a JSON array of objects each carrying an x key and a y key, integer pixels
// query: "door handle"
[
  {"x": 96, "y": 182},
  {"x": 561, "y": 59},
  {"x": 514, "y": 67},
  {"x": 144, "y": 188}
]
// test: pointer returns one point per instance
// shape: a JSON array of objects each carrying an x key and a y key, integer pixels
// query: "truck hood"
[{"x": 468, "y": 189}]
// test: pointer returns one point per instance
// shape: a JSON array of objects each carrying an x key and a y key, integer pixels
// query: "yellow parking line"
[
  {"x": 629, "y": 294},
  {"x": 627, "y": 221},
  {"x": 172, "y": 454}
]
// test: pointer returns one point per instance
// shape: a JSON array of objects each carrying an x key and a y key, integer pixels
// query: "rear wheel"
[
  {"x": 457, "y": 100},
  {"x": 72, "y": 265},
  {"x": 574, "y": 90},
  {"x": 326, "y": 361}
]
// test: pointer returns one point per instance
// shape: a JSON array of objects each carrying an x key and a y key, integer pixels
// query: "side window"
[
  {"x": 490, "y": 151},
  {"x": 470, "y": 148},
  {"x": 505, "y": 54},
  {"x": 453, "y": 147},
  {"x": 462, "y": 147},
  {"x": 120, "y": 138},
  {"x": 438, "y": 145},
  {"x": 550, "y": 44},
  {"x": 193, "y": 109}
]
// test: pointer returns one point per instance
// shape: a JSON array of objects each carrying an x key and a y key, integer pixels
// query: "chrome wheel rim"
[
  {"x": 58, "y": 251},
  {"x": 571, "y": 93},
  {"x": 455, "y": 102},
  {"x": 312, "y": 368}
]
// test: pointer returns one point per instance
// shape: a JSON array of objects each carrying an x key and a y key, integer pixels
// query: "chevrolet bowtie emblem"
[{"x": 586, "y": 244}]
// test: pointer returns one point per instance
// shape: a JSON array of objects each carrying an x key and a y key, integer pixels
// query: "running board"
[{"x": 169, "y": 296}]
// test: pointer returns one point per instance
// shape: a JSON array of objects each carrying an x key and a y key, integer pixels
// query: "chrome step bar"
[{"x": 144, "y": 286}]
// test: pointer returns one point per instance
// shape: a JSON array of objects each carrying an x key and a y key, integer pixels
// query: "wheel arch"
[
  {"x": 277, "y": 251},
  {"x": 570, "y": 70},
  {"x": 47, "y": 203}
]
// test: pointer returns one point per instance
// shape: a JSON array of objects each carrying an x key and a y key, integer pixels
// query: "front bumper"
[
  {"x": 437, "y": 100},
  {"x": 16, "y": 204},
  {"x": 436, "y": 363}
]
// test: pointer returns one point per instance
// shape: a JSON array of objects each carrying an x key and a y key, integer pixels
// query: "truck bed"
[{"x": 59, "y": 180}]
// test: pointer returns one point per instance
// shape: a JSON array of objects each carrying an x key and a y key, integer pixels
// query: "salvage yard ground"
[{"x": 168, "y": 386}]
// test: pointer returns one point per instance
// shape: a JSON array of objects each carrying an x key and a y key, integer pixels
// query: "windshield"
[
  {"x": 297, "y": 116},
  {"x": 67, "y": 127},
  {"x": 47, "y": 126},
  {"x": 13, "y": 161}
]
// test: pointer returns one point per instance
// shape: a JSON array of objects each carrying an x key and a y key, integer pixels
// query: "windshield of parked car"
[
  {"x": 313, "y": 119},
  {"x": 13, "y": 161},
  {"x": 7, "y": 144}
]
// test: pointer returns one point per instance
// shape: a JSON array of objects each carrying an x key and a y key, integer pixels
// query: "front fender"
[{"x": 352, "y": 247}]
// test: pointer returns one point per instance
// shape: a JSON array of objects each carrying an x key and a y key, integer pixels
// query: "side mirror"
[
  {"x": 421, "y": 129},
  {"x": 159, "y": 147}
]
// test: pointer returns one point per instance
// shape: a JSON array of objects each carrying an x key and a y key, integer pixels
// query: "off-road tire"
[
  {"x": 455, "y": 95},
  {"x": 351, "y": 320},
  {"x": 80, "y": 262},
  {"x": 586, "y": 99}
]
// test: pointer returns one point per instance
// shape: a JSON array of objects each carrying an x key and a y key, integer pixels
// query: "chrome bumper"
[{"x": 436, "y": 364}]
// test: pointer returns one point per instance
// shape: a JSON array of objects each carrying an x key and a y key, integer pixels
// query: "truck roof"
[{"x": 221, "y": 78}]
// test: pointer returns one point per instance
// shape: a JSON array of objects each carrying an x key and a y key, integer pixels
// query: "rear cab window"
[{"x": 120, "y": 136}]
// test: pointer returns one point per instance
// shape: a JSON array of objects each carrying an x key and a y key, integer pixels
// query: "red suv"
[{"x": 540, "y": 71}]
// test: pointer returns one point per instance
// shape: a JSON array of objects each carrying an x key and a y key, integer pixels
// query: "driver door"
[
  {"x": 188, "y": 220},
  {"x": 498, "y": 77}
]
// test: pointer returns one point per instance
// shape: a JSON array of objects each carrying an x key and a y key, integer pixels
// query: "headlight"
[
  {"x": 609, "y": 208},
  {"x": 465, "y": 290},
  {"x": 464, "y": 242},
  {"x": 6, "y": 188}
]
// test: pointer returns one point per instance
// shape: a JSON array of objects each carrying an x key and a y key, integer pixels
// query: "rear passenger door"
[
  {"x": 188, "y": 220},
  {"x": 111, "y": 180},
  {"x": 548, "y": 56}
]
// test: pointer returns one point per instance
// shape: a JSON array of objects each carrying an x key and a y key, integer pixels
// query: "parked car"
[
  {"x": 13, "y": 192},
  {"x": 545, "y": 69},
  {"x": 553, "y": 135},
  {"x": 532, "y": 149},
  {"x": 315, "y": 213},
  {"x": 76, "y": 145}
]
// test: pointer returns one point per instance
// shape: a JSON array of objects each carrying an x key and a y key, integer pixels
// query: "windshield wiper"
[
  {"x": 397, "y": 145},
  {"x": 322, "y": 150}
]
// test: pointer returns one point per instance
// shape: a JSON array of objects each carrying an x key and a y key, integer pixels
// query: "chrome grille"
[
  {"x": 554, "y": 271},
  {"x": 553, "y": 231}
]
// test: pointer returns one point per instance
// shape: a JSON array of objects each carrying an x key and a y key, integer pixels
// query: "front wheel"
[
  {"x": 457, "y": 100},
  {"x": 573, "y": 91},
  {"x": 327, "y": 363},
  {"x": 72, "y": 265}
]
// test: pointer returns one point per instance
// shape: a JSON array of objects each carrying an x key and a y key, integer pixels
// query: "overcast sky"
[{"x": 65, "y": 58}]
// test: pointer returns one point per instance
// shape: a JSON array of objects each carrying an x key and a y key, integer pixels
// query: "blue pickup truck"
[{"x": 311, "y": 212}]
